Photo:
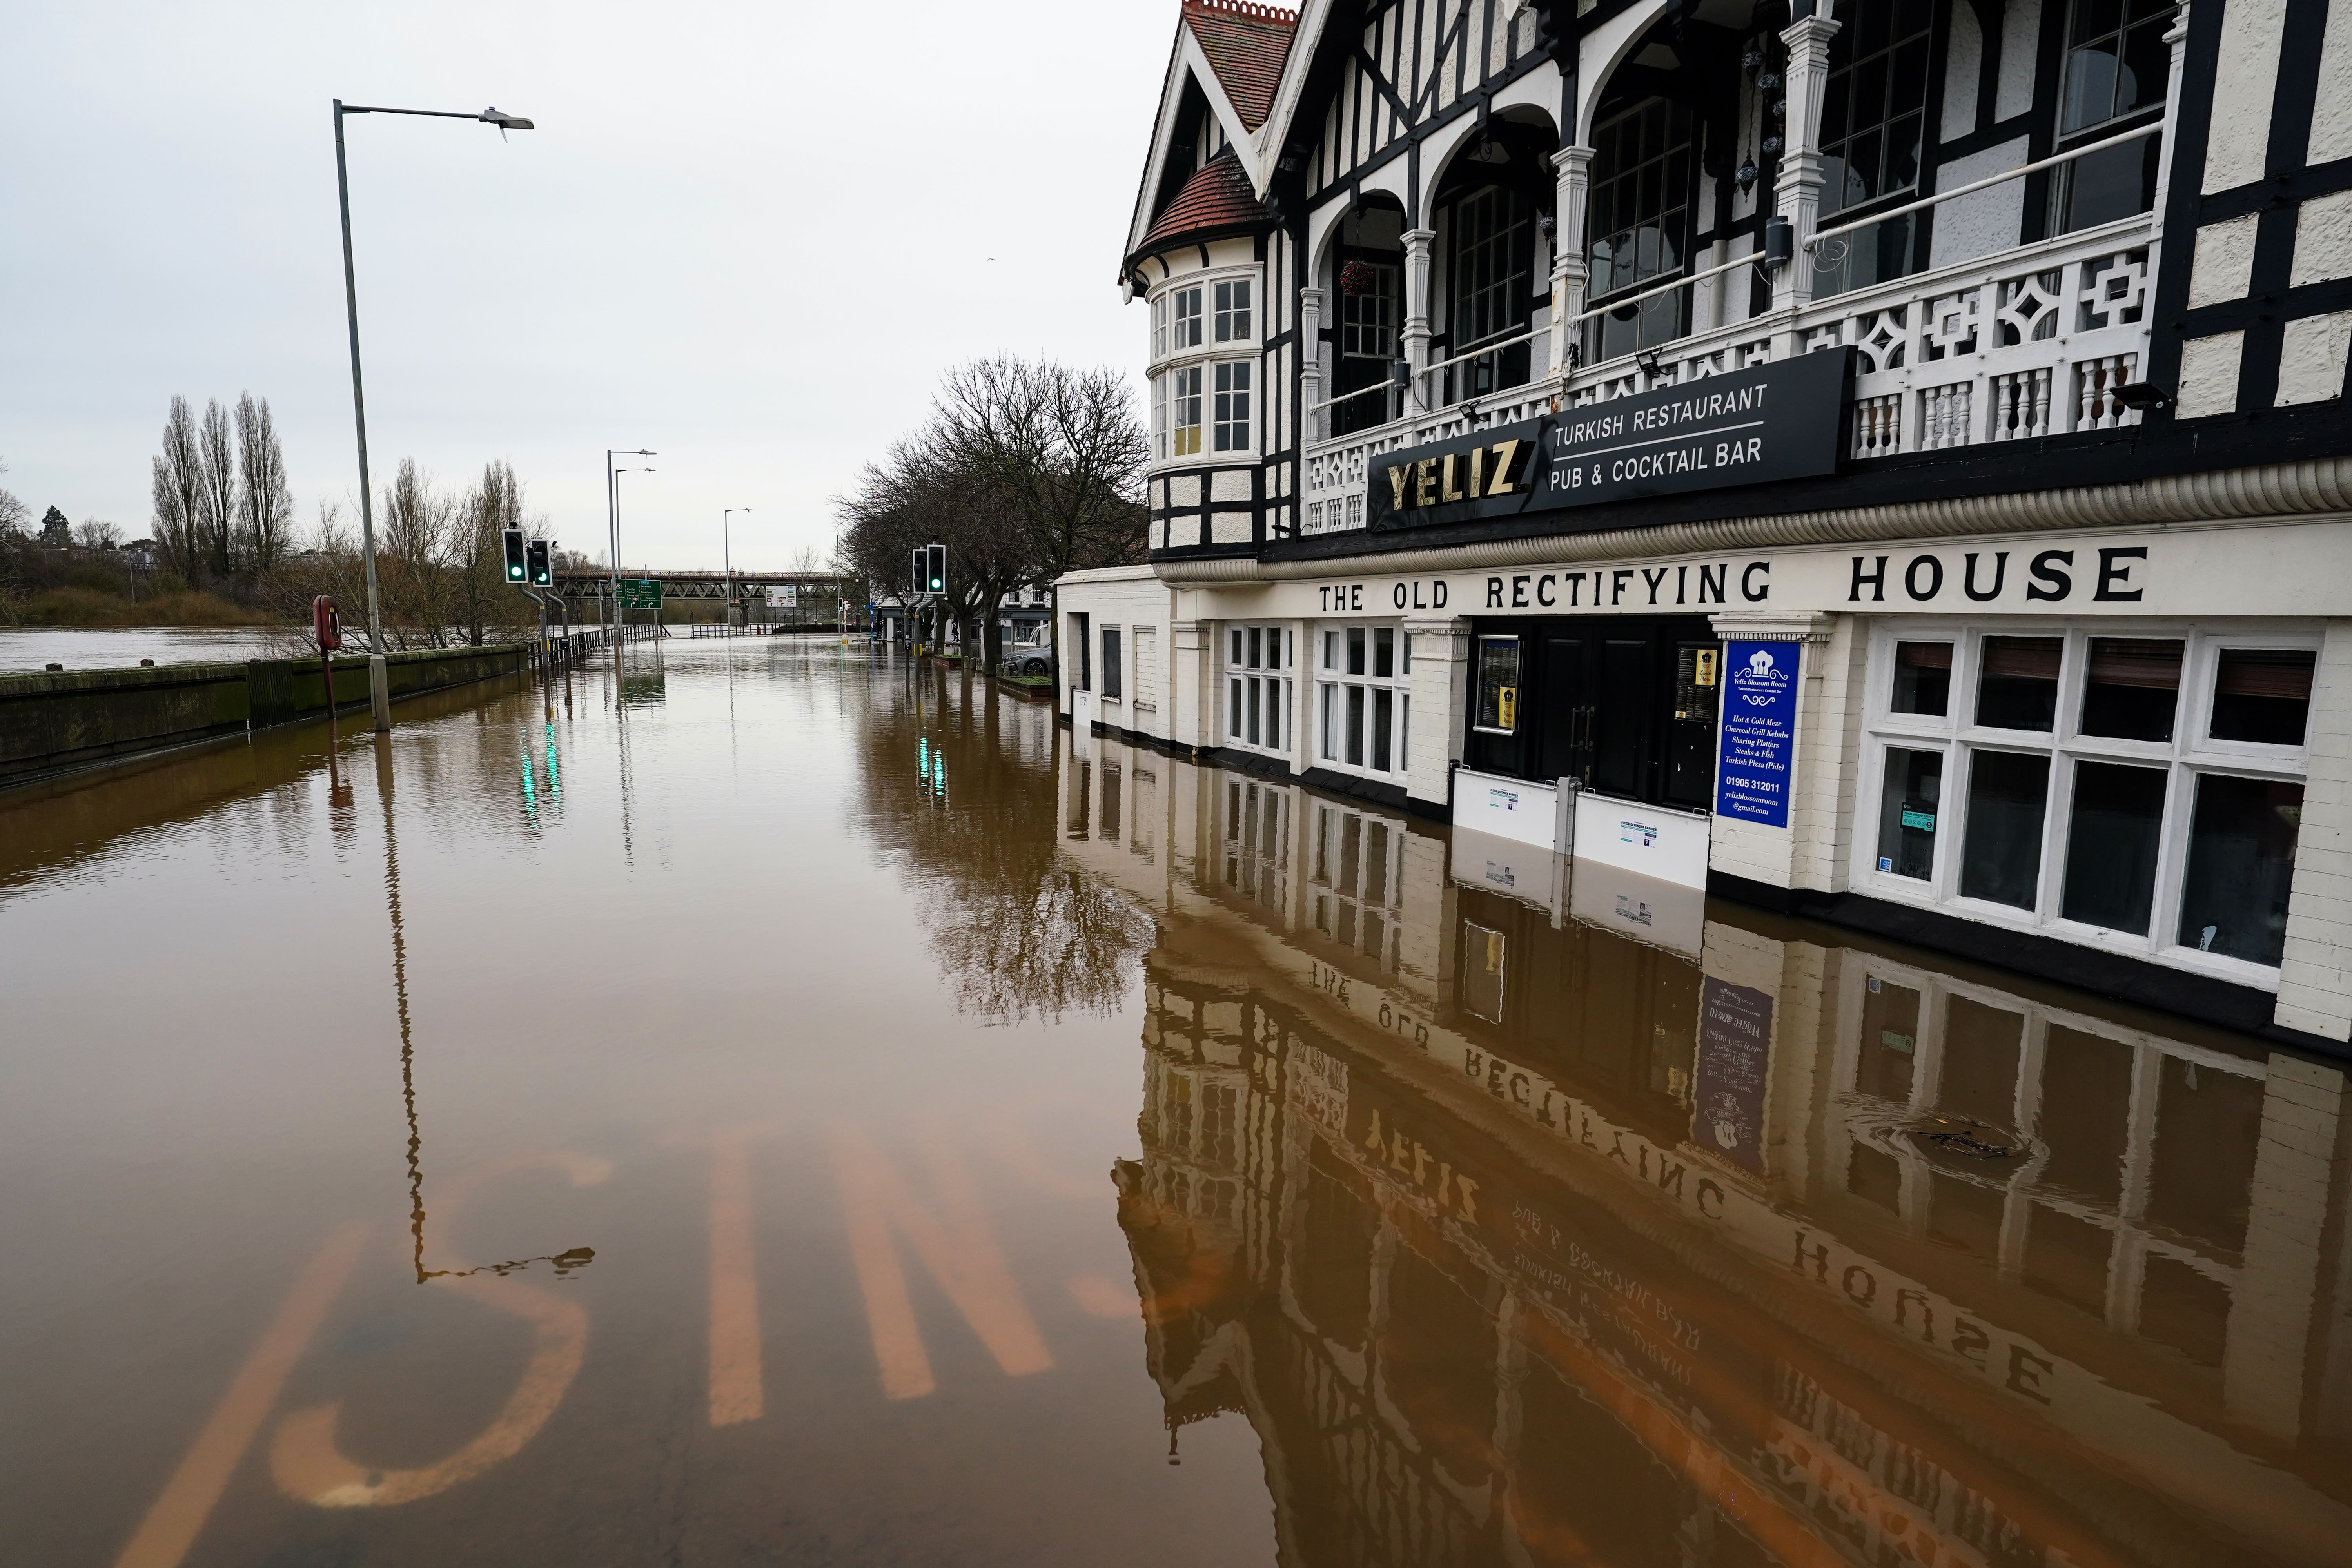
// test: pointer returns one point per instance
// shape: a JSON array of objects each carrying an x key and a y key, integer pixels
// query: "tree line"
[
  {"x": 226, "y": 545},
  {"x": 222, "y": 505},
  {"x": 1023, "y": 470}
]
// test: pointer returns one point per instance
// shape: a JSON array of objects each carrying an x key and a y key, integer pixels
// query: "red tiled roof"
[
  {"x": 1217, "y": 196},
  {"x": 1246, "y": 46}
]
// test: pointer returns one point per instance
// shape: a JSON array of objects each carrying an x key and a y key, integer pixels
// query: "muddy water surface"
[{"x": 757, "y": 1102}]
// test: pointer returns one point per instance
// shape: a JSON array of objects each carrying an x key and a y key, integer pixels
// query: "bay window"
[
  {"x": 1259, "y": 662},
  {"x": 1201, "y": 403},
  {"x": 2140, "y": 791},
  {"x": 1362, "y": 702}
]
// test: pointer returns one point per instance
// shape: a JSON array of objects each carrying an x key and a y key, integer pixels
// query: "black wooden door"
[
  {"x": 1566, "y": 730},
  {"x": 1623, "y": 718}
]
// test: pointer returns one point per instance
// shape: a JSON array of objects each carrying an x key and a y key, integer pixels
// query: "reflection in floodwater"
[
  {"x": 1527, "y": 1217},
  {"x": 1019, "y": 932},
  {"x": 1462, "y": 1206}
]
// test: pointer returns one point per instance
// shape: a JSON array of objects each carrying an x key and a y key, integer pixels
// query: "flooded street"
[{"x": 762, "y": 1102}]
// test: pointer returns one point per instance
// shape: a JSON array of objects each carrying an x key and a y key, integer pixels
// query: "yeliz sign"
[{"x": 1779, "y": 421}]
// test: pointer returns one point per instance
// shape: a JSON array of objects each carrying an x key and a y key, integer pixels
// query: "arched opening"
[
  {"x": 1491, "y": 214},
  {"x": 1670, "y": 101},
  {"x": 1873, "y": 135},
  {"x": 1367, "y": 291}
]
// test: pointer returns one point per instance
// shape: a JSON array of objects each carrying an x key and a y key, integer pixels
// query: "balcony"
[{"x": 2026, "y": 342}]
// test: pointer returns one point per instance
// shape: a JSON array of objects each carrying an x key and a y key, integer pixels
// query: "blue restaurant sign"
[{"x": 1760, "y": 732}]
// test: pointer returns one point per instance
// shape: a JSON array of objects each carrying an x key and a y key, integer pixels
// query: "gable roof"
[
  {"x": 1245, "y": 45},
  {"x": 1217, "y": 197}
]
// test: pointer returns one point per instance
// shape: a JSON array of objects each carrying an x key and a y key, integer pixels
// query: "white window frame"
[
  {"x": 1188, "y": 316},
  {"x": 1186, "y": 350},
  {"x": 1233, "y": 310},
  {"x": 1273, "y": 679},
  {"x": 1232, "y": 422},
  {"x": 2188, "y": 757},
  {"x": 1186, "y": 405},
  {"x": 1333, "y": 681}
]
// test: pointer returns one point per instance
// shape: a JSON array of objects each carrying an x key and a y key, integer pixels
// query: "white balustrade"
[{"x": 2030, "y": 342}]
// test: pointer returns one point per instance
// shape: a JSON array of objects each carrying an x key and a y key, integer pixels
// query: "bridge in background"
[{"x": 823, "y": 600}]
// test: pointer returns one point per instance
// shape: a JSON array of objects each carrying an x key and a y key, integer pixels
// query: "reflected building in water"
[{"x": 1530, "y": 1219}]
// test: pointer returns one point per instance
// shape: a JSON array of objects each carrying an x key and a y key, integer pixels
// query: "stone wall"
[{"x": 51, "y": 724}]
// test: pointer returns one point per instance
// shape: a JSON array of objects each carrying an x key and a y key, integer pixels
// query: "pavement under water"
[{"x": 758, "y": 1101}]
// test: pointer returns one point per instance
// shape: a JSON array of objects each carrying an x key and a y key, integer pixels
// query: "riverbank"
[
  {"x": 77, "y": 606},
  {"x": 26, "y": 649}
]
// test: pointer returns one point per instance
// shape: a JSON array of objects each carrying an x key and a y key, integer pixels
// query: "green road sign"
[{"x": 637, "y": 593}]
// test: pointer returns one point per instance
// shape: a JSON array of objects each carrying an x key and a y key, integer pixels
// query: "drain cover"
[{"x": 1966, "y": 1137}]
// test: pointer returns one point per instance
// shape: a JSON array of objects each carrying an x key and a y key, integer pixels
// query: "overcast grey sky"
[{"x": 751, "y": 237}]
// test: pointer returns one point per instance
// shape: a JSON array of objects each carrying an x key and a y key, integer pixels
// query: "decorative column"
[
  {"x": 1310, "y": 366},
  {"x": 1572, "y": 167},
  {"x": 2176, "y": 38},
  {"x": 1440, "y": 690},
  {"x": 1416, "y": 312},
  {"x": 1798, "y": 192},
  {"x": 1190, "y": 685}
]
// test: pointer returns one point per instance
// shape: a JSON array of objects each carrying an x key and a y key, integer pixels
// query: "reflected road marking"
[
  {"x": 955, "y": 1243},
  {"x": 1100, "y": 1296},
  {"x": 310, "y": 1467},
  {"x": 735, "y": 1388},
  {"x": 173, "y": 1525}
]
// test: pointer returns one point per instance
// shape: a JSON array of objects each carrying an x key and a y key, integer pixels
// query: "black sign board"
[{"x": 1778, "y": 421}]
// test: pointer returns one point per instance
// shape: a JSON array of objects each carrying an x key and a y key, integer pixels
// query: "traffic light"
[
  {"x": 916, "y": 574},
  {"x": 935, "y": 579},
  {"x": 540, "y": 577},
  {"x": 515, "y": 573}
]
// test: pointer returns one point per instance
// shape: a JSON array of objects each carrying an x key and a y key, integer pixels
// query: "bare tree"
[
  {"x": 1023, "y": 471},
  {"x": 1062, "y": 451},
  {"x": 481, "y": 598},
  {"x": 217, "y": 504},
  {"x": 411, "y": 560},
  {"x": 264, "y": 507},
  {"x": 921, "y": 494},
  {"x": 14, "y": 513},
  {"x": 179, "y": 491},
  {"x": 97, "y": 534}
]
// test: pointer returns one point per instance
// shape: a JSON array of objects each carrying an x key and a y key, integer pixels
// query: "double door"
[{"x": 1625, "y": 706}]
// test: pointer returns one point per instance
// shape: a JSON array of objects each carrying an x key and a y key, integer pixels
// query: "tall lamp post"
[
  {"x": 379, "y": 688},
  {"x": 613, "y": 519},
  {"x": 613, "y": 478},
  {"x": 727, "y": 559}
]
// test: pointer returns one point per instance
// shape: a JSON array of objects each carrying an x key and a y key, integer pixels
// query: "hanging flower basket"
[{"x": 1358, "y": 278}]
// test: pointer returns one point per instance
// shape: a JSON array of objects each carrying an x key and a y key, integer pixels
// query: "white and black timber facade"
[{"x": 1884, "y": 460}]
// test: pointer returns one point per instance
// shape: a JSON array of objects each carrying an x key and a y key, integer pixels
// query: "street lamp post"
[
  {"x": 727, "y": 560},
  {"x": 379, "y": 688},
  {"x": 613, "y": 478},
  {"x": 613, "y": 520}
]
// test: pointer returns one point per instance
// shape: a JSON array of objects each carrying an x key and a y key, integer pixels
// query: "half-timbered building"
[{"x": 1882, "y": 459}]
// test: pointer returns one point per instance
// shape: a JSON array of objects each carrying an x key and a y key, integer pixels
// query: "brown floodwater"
[{"x": 761, "y": 1103}]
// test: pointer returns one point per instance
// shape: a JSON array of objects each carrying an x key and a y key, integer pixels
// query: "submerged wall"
[{"x": 55, "y": 722}]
